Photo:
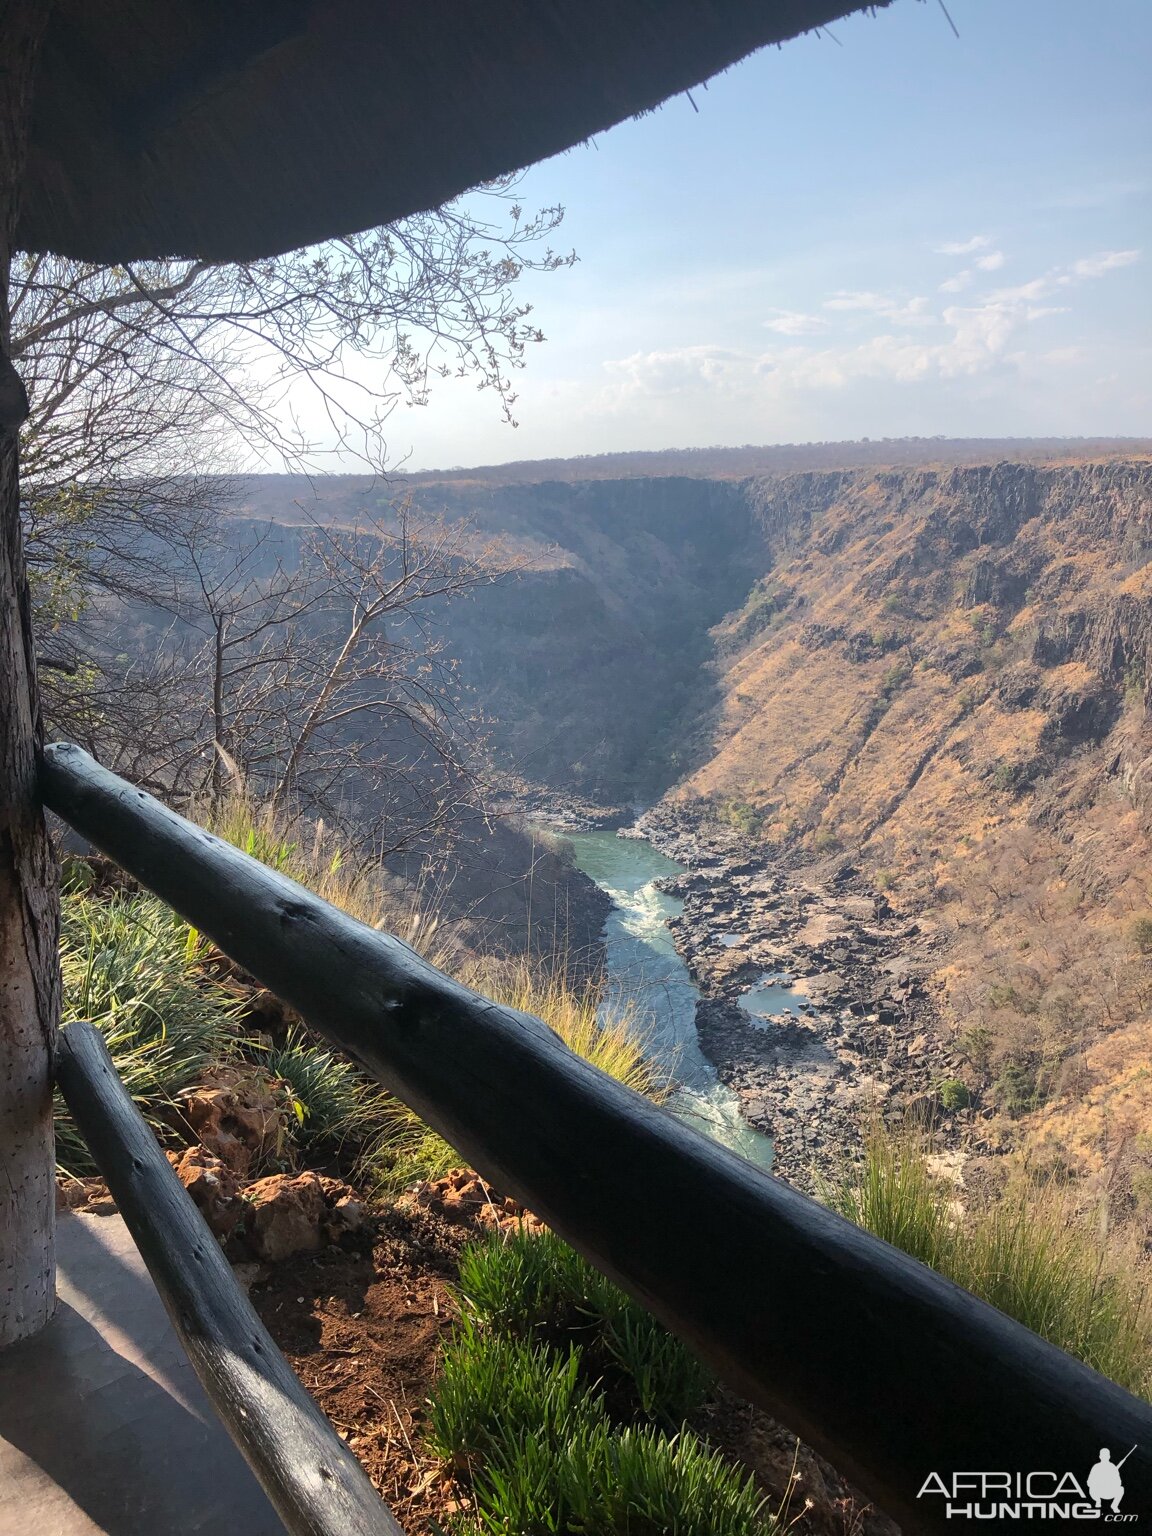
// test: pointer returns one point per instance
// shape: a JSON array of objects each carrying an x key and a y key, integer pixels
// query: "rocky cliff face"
[
  {"x": 938, "y": 675},
  {"x": 591, "y": 660},
  {"x": 944, "y": 676},
  {"x": 988, "y": 619}
]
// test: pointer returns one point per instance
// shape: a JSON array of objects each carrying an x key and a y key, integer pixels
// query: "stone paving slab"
[{"x": 104, "y": 1427}]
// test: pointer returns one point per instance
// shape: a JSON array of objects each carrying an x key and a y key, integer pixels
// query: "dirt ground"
[
  {"x": 363, "y": 1325},
  {"x": 364, "y": 1330}
]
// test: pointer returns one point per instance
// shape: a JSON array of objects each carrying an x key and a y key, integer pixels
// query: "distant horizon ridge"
[{"x": 721, "y": 461}]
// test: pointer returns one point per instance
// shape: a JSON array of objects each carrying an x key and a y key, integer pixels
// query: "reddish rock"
[
  {"x": 88, "y": 1195},
  {"x": 240, "y": 1115},
  {"x": 287, "y": 1215},
  {"x": 346, "y": 1211},
  {"x": 212, "y": 1185},
  {"x": 462, "y": 1195}
]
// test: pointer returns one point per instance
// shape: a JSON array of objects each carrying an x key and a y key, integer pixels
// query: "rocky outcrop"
[
  {"x": 213, "y": 1186},
  {"x": 861, "y": 1040},
  {"x": 290, "y": 1214},
  {"x": 462, "y": 1196},
  {"x": 239, "y": 1115}
]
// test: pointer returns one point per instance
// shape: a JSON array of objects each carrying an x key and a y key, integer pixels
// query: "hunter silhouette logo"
[
  {"x": 1034, "y": 1495},
  {"x": 1104, "y": 1483}
]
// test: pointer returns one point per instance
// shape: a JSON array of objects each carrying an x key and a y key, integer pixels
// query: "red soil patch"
[{"x": 364, "y": 1331}]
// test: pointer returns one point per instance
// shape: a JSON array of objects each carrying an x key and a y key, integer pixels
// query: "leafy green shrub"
[
  {"x": 746, "y": 819},
  {"x": 762, "y": 610},
  {"x": 1140, "y": 934},
  {"x": 1002, "y": 995},
  {"x": 1014, "y": 778},
  {"x": 953, "y": 1094},
  {"x": 1017, "y": 1087},
  {"x": 895, "y": 678},
  {"x": 976, "y": 1042},
  {"x": 825, "y": 840}
]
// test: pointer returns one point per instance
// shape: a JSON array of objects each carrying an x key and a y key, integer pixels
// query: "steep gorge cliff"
[
  {"x": 944, "y": 677},
  {"x": 939, "y": 675},
  {"x": 591, "y": 661}
]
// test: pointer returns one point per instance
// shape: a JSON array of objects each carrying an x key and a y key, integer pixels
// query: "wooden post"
[{"x": 29, "y": 988}]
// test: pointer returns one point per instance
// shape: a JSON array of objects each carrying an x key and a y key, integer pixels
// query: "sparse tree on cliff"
[
  {"x": 308, "y": 668},
  {"x": 148, "y": 382}
]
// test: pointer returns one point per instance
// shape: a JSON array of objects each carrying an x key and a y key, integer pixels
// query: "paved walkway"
[{"x": 103, "y": 1425}]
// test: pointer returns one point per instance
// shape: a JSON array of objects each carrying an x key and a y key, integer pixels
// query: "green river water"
[{"x": 645, "y": 970}]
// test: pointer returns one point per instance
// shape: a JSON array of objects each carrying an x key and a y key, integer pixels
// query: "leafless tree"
[
  {"x": 150, "y": 383},
  {"x": 151, "y": 386},
  {"x": 305, "y": 663}
]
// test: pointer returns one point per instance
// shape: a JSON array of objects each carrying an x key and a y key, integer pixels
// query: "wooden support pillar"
[{"x": 29, "y": 986}]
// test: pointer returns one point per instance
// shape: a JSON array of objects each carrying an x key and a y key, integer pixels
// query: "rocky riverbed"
[{"x": 859, "y": 1037}]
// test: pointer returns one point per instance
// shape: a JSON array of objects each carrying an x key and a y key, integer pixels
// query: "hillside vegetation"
[
  {"x": 946, "y": 674},
  {"x": 940, "y": 673}
]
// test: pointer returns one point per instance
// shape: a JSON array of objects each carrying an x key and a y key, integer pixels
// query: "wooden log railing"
[
  {"x": 888, "y": 1369},
  {"x": 312, "y": 1479}
]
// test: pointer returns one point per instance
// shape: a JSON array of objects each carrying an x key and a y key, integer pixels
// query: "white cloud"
[
  {"x": 896, "y": 311},
  {"x": 1037, "y": 288},
  {"x": 1064, "y": 277},
  {"x": 868, "y": 338},
  {"x": 677, "y": 370},
  {"x": 846, "y": 299},
  {"x": 1103, "y": 261},
  {"x": 981, "y": 339},
  {"x": 963, "y": 247},
  {"x": 791, "y": 322}
]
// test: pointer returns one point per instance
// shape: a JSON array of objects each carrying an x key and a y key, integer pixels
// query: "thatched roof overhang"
[{"x": 233, "y": 130}]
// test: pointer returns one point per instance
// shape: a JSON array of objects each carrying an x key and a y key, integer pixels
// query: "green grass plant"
[
  {"x": 605, "y": 1482},
  {"x": 616, "y": 1045},
  {"x": 316, "y": 857},
  {"x": 533, "y": 1285},
  {"x": 532, "y": 1413},
  {"x": 128, "y": 968},
  {"x": 496, "y": 1389},
  {"x": 338, "y": 1108},
  {"x": 1026, "y": 1249}
]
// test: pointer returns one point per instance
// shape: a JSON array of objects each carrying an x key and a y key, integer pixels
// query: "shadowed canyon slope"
[{"x": 940, "y": 674}]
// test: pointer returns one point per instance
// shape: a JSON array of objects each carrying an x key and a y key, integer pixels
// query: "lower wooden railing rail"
[
  {"x": 312, "y": 1479},
  {"x": 891, "y": 1371}
]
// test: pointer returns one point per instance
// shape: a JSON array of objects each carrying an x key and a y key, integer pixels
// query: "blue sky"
[{"x": 893, "y": 232}]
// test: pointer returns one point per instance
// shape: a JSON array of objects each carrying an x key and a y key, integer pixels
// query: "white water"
[{"x": 645, "y": 971}]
